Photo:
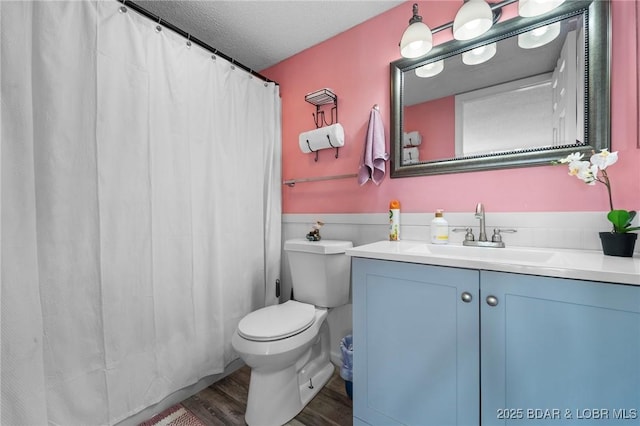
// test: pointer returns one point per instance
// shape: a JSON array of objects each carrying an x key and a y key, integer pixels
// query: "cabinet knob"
[
  {"x": 492, "y": 301},
  {"x": 466, "y": 297}
]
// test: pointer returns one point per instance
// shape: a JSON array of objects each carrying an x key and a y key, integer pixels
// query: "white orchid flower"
[
  {"x": 593, "y": 171},
  {"x": 579, "y": 168},
  {"x": 604, "y": 158},
  {"x": 588, "y": 174},
  {"x": 576, "y": 156}
]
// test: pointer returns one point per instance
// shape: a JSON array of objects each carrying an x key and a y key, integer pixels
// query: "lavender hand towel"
[{"x": 375, "y": 155}]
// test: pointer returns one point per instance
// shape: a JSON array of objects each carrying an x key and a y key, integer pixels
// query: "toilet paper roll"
[
  {"x": 322, "y": 138},
  {"x": 410, "y": 155},
  {"x": 412, "y": 138}
]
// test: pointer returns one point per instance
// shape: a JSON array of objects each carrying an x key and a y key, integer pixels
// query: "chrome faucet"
[
  {"x": 483, "y": 241},
  {"x": 480, "y": 215}
]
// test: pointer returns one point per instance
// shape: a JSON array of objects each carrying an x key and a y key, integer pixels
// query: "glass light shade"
[
  {"x": 479, "y": 54},
  {"x": 528, "y": 8},
  {"x": 429, "y": 70},
  {"x": 416, "y": 41},
  {"x": 472, "y": 20},
  {"x": 539, "y": 36}
]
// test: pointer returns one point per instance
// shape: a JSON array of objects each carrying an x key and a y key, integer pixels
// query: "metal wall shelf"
[{"x": 319, "y": 98}]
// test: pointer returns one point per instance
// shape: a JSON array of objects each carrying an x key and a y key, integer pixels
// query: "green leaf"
[{"x": 621, "y": 220}]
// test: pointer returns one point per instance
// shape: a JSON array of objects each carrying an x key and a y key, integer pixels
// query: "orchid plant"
[{"x": 595, "y": 170}]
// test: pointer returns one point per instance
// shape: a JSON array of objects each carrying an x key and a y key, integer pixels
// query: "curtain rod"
[{"x": 141, "y": 10}]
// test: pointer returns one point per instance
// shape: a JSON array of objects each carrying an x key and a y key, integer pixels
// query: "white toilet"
[{"x": 287, "y": 346}]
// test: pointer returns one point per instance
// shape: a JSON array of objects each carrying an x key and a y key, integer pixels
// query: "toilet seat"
[{"x": 277, "y": 322}]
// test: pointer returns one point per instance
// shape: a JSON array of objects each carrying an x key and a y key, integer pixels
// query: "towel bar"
[{"x": 292, "y": 182}]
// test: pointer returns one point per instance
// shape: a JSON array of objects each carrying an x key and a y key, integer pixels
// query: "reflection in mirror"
[
  {"x": 519, "y": 96},
  {"x": 532, "y": 103}
]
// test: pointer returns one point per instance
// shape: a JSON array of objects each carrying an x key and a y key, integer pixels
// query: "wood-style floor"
[{"x": 224, "y": 403}]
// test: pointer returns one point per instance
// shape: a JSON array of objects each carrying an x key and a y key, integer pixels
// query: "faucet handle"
[
  {"x": 469, "y": 233},
  {"x": 497, "y": 238}
]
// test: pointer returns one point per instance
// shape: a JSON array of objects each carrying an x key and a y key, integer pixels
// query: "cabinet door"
[
  {"x": 559, "y": 351},
  {"x": 416, "y": 353}
]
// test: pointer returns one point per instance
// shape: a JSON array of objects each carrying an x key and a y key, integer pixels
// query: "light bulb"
[
  {"x": 539, "y": 36},
  {"x": 431, "y": 69},
  {"x": 538, "y": 32},
  {"x": 480, "y": 54},
  {"x": 473, "y": 19},
  {"x": 529, "y": 8},
  {"x": 417, "y": 40}
]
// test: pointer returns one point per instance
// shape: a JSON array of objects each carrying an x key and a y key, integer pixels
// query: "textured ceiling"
[{"x": 259, "y": 34}]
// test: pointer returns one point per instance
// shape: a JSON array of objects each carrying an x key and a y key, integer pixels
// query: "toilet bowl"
[
  {"x": 287, "y": 346},
  {"x": 286, "y": 373}
]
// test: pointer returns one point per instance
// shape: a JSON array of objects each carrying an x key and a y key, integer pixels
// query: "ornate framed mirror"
[{"x": 453, "y": 122}]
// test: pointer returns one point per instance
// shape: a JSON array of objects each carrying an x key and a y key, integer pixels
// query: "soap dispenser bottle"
[{"x": 439, "y": 229}]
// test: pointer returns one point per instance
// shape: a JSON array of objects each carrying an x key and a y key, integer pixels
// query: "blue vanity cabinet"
[
  {"x": 416, "y": 344},
  {"x": 559, "y": 351},
  {"x": 448, "y": 346}
]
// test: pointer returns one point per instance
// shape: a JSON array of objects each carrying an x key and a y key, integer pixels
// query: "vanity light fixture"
[
  {"x": 474, "y": 18},
  {"x": 539, "y": 36},
  {"x": 430, "y": 69},
  {"x": 479, "y": 54},
  {"x": 417, "y": 39},
  {"x": 529, "y": 8}
]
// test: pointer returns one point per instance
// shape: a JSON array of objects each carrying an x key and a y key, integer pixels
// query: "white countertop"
[{"x": 576, "y": 264}]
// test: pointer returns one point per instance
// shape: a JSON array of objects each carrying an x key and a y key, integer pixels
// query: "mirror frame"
[{"x": 597, "y": 93}]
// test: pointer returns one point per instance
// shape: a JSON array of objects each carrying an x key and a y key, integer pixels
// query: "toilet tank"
[{"x": 320, "y": 271}]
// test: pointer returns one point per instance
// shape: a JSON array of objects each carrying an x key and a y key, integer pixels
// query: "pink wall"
[
  {"x": 355, "y": 64},
  {"x": 435, "y": 121}
]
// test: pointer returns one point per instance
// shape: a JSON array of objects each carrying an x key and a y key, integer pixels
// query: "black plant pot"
[{"x": 618, "y": 244}]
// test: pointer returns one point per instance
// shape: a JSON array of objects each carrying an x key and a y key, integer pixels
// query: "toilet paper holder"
[
  {"x": 327, "y": 137},
  {"x": 337, "y": 148}
]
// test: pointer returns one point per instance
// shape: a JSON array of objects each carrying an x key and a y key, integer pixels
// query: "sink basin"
[{"x": 508, "y": 254}]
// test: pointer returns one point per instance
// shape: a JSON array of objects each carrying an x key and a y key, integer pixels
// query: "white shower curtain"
[{"x": 140, "y": 206}]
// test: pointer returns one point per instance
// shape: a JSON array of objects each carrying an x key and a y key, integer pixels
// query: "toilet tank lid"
[{"x": 320, "y": 247}]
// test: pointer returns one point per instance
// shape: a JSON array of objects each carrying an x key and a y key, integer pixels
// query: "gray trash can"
[{"x": 346, "y": 371}]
